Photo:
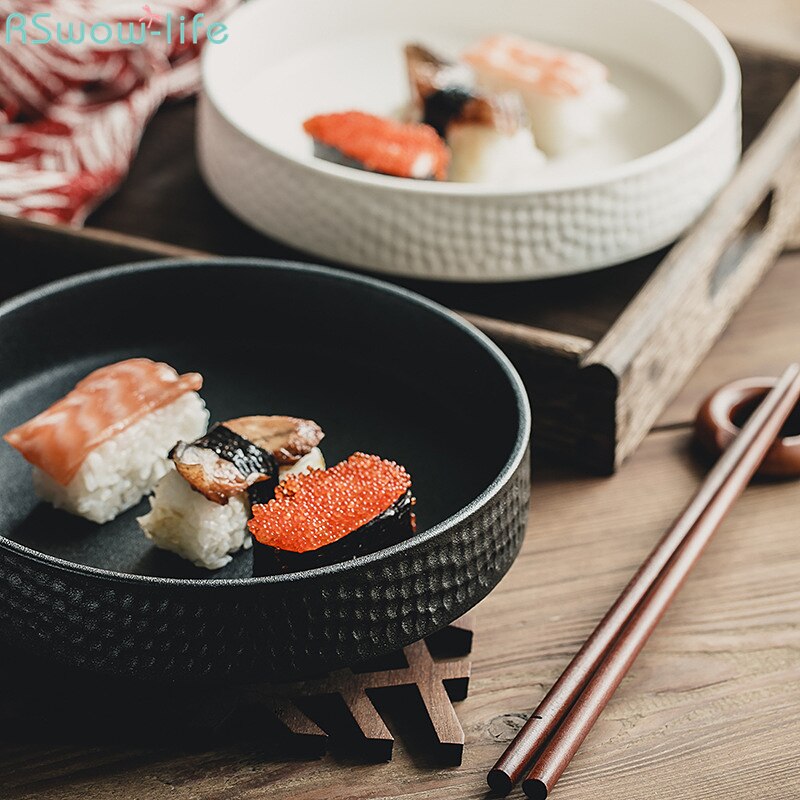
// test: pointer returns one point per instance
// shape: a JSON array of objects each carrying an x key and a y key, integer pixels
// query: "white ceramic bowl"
[{"x": 637, "y": 190}]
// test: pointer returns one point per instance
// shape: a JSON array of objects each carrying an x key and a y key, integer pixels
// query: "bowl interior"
[
  {"x": 296, "y": 58},
  {"x": 381, "y": 370}
]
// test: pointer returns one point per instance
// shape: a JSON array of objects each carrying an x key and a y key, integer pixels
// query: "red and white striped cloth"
[{"x": 72, "y": 116}]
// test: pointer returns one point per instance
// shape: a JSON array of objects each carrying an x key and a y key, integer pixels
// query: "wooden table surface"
[
  {"x": 709, "y": 710},
  {"x": 769, "y": 24}
]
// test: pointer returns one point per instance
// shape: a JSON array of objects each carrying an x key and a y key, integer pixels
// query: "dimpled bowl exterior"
[
  {"x": 475, "y": 238},
  {"x": 287, "y": 626},
  {"x": 247, "y": 632}
]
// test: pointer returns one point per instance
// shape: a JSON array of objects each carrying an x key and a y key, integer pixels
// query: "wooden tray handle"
[
  {"x": 790, "y": 187},
  {"x": 706, "y": 276},
  {"x": 774, "y": 222},
  {"x": 793, "y": 242}
]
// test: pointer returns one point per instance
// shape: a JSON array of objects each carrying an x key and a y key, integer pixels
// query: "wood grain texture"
[
  {"x": 761, "y": 340},
  {"x": 772, "y": 25},
  {"x": 769, "y": 27},
  {"x": 684, "y": 306},
  {"x": 435, "y": 682},
  {"x": 710, "y": 709}
]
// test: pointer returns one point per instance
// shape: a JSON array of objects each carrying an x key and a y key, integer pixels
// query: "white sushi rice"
[
  {"x": 312, "y": 460},
  {"x": 482, "y": 154},
  {"x": 562, "y": 124},
  {"x": 423, "y": 166},
  {"x": 206, "y": 533},
  {"x": 117, "y": 474},
  {"x": 187, "y": 523}
]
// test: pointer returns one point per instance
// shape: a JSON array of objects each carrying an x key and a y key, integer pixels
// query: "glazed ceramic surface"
[
  {"x": 633, "y": 191},
  {"x": 381, "y": 369}
]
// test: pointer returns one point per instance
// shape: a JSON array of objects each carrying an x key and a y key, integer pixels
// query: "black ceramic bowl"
[{"x": 381, "y": 369}]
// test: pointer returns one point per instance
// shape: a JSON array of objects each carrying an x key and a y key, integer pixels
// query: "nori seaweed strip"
[
  {"x": 441, "y": 88},
  {"x": 262, "y": 492},
  {"x": 244, "y": 455},
  {"x": 390, "y": 527},
  {"x": 247, "y": 458},
  {"x": 442, "y": 106},
  {"x": 329, "y": 153}
]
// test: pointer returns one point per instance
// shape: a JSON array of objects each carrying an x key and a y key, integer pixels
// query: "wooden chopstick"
[
  {"x": 749, "y": 450},
  {"x": 557, "y": 741}
]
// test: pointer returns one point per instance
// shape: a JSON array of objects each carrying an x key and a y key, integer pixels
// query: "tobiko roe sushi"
[
  {"x": 359, "y": 506},
  {"x": 376, "y": 144},
  {"x": 100, "y": 449},
  {"x": 488, "y": 133},
  {"x": 567, "y": 94},
  {"x": 200, "y": 509}
]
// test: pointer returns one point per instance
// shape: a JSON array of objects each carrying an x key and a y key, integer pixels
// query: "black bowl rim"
[{"x": 518, "y": 452}]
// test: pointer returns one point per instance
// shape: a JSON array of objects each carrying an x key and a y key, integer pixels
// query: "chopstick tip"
[
  {"x": 534, "y": 789},
  {"x": 499, "y": 782}
]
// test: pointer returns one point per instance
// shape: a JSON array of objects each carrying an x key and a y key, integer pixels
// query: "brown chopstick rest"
[{"x": 725, "y": 410}]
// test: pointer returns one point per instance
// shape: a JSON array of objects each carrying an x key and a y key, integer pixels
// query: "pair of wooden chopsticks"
[{"x": 558, "y": 726}]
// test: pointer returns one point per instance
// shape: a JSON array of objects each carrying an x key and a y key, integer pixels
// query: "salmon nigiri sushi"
[
  {"x": 100, "y": 449},
  {"x": 567, "y": 94},
  {"x": 377, "y": 144}
]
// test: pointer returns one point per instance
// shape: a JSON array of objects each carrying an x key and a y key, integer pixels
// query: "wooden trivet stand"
[{"x": 434, "y": 670}]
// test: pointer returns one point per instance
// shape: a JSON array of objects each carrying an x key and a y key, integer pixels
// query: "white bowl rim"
[{"x": 726, "y": 103}]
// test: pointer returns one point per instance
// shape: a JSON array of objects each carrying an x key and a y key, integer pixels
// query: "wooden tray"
[{"x": 602, "y": 354}]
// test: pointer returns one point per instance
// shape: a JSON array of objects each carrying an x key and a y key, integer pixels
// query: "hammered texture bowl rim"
[
  {"x": 728, "y": 98},
  {"x": 508, "y": 470}
]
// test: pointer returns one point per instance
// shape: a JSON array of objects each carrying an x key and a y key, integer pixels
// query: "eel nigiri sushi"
[
  {"x": 488, "y": 133},
  {"x": 376, "y": 144},
  {"x": 359, "y": 506},
  {"x": 567, "y": 94},
  {"x": 100, "y": 449},
  {"x": 200, "y": 509}
]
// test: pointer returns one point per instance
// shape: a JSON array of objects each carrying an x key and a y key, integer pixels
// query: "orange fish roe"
[
  {"x": 382, "y": 145},
  {"x": 313, "y": 510}
]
